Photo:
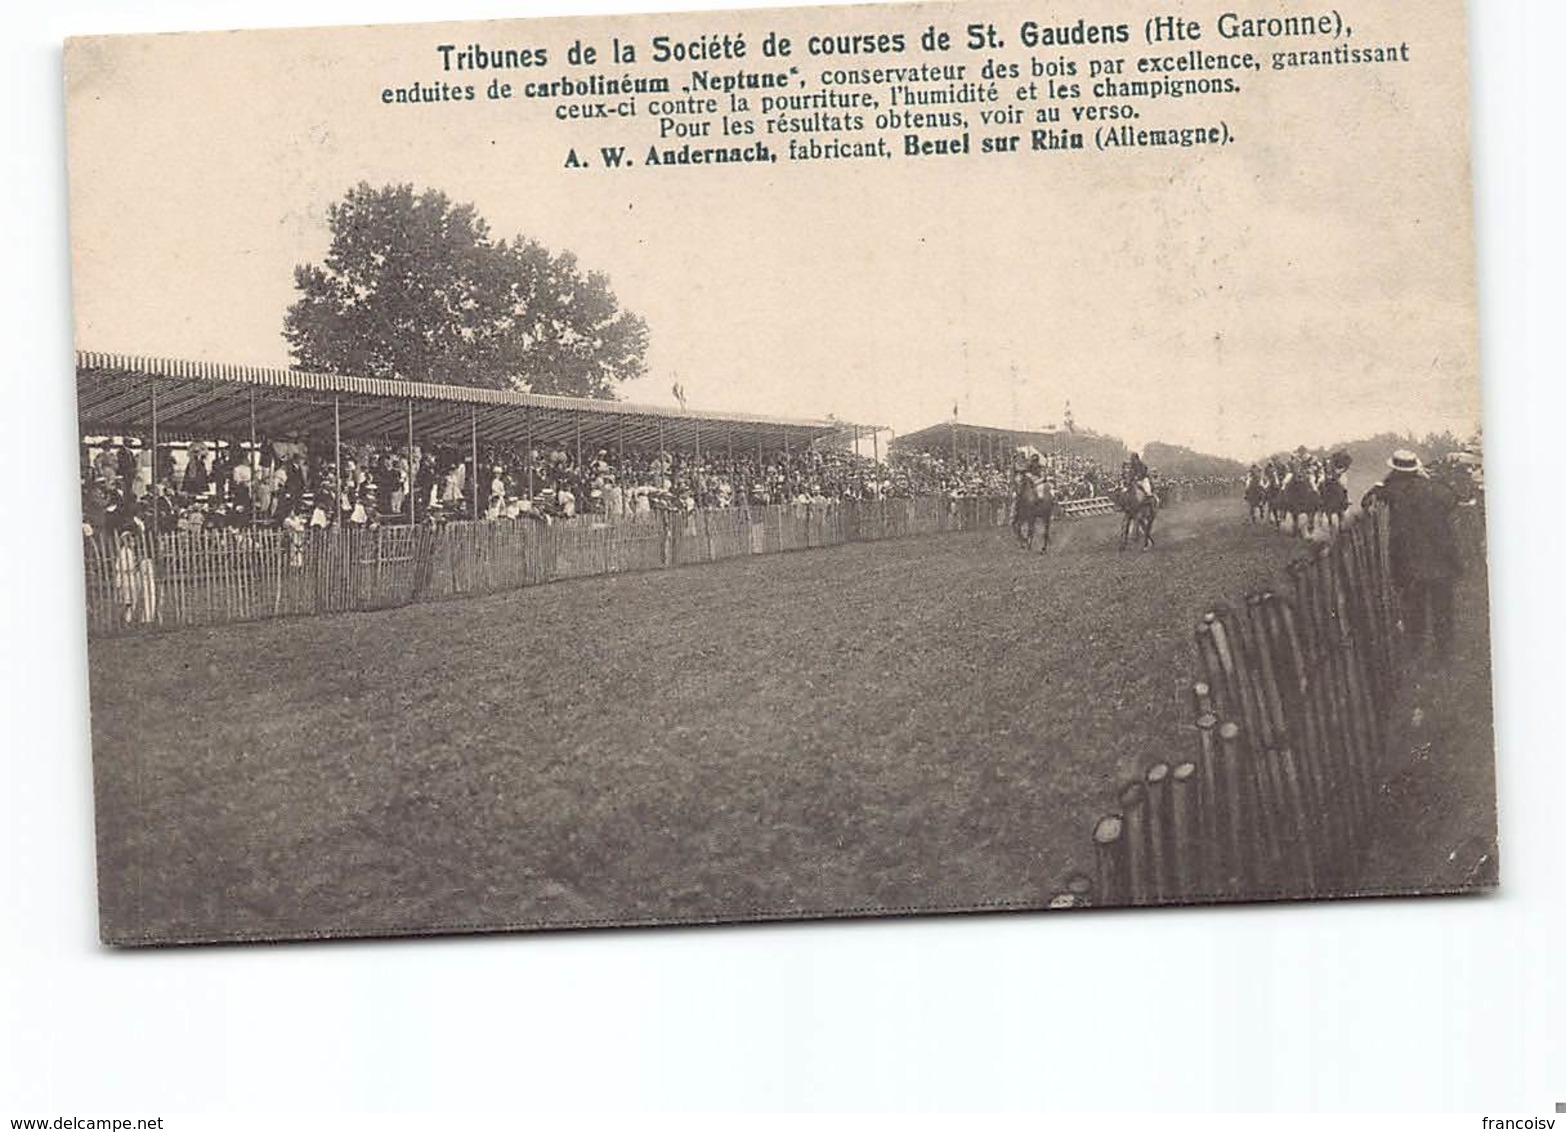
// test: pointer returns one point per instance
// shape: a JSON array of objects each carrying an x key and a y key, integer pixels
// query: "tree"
[
  {"x": 1179, "y": 461},
  {"x": 414, "y": 287}
]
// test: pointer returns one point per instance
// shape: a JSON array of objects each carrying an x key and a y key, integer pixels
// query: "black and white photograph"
[
  {"x": 779, "y": 465},
  {"x": 987, "y": 556}
]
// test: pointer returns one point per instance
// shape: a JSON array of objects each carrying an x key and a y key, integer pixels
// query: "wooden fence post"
[
  {"x": 1109, "y": 846},
  {"x": 1258, "y": 823},
  {"x": 1159, "y": 831},
  {"x": 1134, "y": 813},
  {"x": 1189, "y": 855}
]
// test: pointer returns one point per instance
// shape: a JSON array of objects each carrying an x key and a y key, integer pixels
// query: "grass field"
[{"x": 930, "y": 724}]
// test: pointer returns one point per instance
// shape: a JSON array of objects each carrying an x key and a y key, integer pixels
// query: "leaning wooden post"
[
  {"x": 1266, "y": 666},
  {"x": 1281, "y": 779},
  {"x": 1361, "y": 659},
  {"x": 1220, "y": 808},
  {"x": 1294, "y": 798},
  {"x": 1343, "y": 726},
  {"x": 1242, "y": 762},
  {"x": 1241, "y": 699},
  {"x": 1233, "y": 631},
  {"x": 1189, "y": 875},
  {"x": 1109, "y": 850},
  {"x": 1158, "y": 830},
  {"x": 1133, "y": 803},
  {"x": 1307, "y": 599},
  {"x": 1378, "y": 619},
  {"x": 1390, "y": 603},
  {"x": 1218, "y": 682},
  {"x": 1234, "y": 796},
  {"x": 1322, "y": 799}
]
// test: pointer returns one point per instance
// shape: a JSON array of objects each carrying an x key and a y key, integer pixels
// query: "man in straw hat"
[{"x": 1424, "y": 558}]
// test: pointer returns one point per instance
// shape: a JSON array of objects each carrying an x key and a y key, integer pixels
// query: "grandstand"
[
  {"x": 960, "y": 440},
  {"x": 160, "y": 400},
  {"x": 214, "y": 493}
]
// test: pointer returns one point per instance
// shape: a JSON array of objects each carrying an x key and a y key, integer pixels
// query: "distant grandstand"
[{"x": 987, "y": 443}]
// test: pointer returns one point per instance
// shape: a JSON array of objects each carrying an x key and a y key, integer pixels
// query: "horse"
[
  {"x": 1256, "y": 499},
  {"x": 1300, "y": 497},
  {"x": 1334, "y": 502},
  {"x": 1272, "y": 490},
  {"x": 1032, "y": 506},
  {"x": 1140, "y": 510}
]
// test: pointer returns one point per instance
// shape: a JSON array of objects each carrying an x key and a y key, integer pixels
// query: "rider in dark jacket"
[
  {"x": 1138, "y": 478},
  {"x": 1035, "y": 471}
]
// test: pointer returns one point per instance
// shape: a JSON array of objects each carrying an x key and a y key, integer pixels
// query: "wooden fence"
[
  {"x": 194, "y": 578},
  {"x": 1276, "y": 796},
  {"x": 1087, "y": 508},
  {"x": 1169, "y": 495}
]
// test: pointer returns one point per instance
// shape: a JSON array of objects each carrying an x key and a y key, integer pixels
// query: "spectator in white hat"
[{"x": 1424, "y": 557}]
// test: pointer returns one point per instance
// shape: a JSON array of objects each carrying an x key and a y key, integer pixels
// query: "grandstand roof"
[
  {"x": 118, "y": 395},
  {"x": 940, "y": 436}
]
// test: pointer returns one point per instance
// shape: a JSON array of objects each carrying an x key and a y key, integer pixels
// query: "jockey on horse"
[
  {"x": 1137, "y": 476},
  {"x": 1334, "y": 489},
  {"x": 1272, "y": 487},
  {"x": 1138, "y": 501},
  {"x": 1255, "y": 494},
  {"x": 1302, "y": 491},
  {"x": 1034, "y": 501}
]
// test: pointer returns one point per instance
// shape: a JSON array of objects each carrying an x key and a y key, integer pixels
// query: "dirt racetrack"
[{"x": 929, "y": 724}]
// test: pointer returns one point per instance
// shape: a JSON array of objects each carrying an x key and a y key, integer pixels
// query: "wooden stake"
[
  {"x": 1189, "y": 858},
  {"x": 1109, "y": 846}
]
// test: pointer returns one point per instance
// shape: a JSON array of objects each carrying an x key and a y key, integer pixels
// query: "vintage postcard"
[{"x": 779, "y": 464}]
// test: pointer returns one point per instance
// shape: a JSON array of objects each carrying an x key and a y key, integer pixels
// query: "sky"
[{"x": 1312, "y": 283}]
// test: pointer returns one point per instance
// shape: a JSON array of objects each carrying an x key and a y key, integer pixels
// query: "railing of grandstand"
[
  {"x": 190, "y": 578},
  {"x": 193, "y": 578}
]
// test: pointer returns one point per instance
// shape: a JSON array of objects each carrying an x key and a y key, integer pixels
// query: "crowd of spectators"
[
  {"x": 1072, "y": 476},
  {"x": 220, "y": 485}
]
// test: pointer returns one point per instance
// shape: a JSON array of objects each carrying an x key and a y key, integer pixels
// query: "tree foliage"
[
  {"x": 1370, "y": 454},
  {"x": 1179, "y": 461},
  {"x": 415, "y": 287}
]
